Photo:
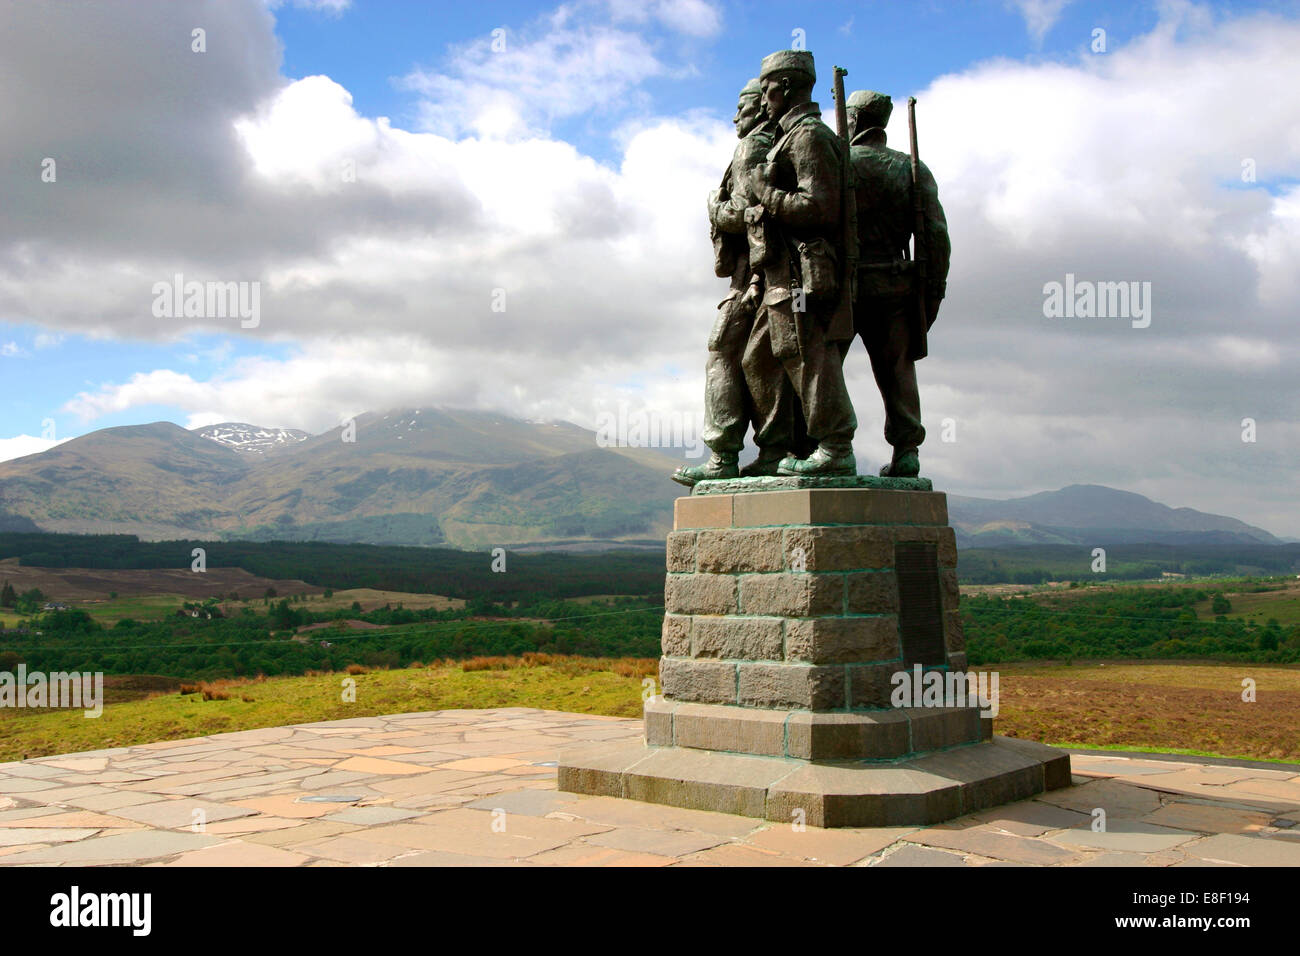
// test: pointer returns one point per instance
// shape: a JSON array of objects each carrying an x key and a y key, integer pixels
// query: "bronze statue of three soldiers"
[{"x": 813, "y": 230}]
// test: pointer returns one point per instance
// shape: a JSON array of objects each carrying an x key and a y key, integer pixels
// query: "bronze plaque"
[{"x": 920, "y": 602}]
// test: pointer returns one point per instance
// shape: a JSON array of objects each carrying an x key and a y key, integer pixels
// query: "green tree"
[
  {"x": 30, "y": 601},
  {"x": 1221, "y": 605},
  {"x": 282, "y": 617},
  {"x": 8, "y": 596}
]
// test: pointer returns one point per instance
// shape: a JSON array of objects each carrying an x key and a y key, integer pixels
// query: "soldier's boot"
[
  {"x": 822, "y": 463},
  {"x": 906, "y": 464},
  {"x": 720, "y": 465},
  {"x": 765, "y": 465}
]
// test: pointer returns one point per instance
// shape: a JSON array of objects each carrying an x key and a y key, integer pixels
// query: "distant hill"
[
  {"x": 1092, "y": 514},
  {"x": 466, "y": 479},
  {"x": 157, "y": 481},
  {"x": 412, "y": 476}
]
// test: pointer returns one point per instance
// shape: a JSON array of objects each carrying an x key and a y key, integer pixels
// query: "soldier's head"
[
  {"x": 787, "y": 79},
  {"x": 749, "y": 109},
  {"x": 866, "y": 110}
]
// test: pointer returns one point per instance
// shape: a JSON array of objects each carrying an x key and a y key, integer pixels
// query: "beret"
[
  {"x": 798, "y": 61},
  {"x": 870, "y": 106}
]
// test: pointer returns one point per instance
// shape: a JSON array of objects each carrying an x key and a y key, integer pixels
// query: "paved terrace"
[{"x": 426, "y": 790}]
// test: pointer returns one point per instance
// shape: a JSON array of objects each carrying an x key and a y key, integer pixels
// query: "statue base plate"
[
  {"x": 734, "y": 486},
  {"x": 918, "y": 791}
]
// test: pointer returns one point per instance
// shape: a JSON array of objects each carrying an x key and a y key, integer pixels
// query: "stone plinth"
[{"x": 789, "y": 608}]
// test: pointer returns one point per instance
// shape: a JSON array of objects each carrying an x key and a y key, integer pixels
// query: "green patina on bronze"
[{"x": 735, "y": 486}]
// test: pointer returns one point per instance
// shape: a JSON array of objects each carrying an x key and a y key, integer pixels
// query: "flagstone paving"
[{"x": 477, "y": 788}]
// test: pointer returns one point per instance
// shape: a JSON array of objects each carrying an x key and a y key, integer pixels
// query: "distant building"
[{"x": 1171, "y": 574}]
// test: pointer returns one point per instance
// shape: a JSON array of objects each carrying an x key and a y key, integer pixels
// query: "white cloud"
[
  {"x": 514, "y": 82},
  {"x": 12, "y": 350},
  {"x": 1040, "y": 15},
  {"x": 1274, "y": 247},
  {"x": 21, "y": 445},
  {"x": 330, "y": 7},
  {"x": 692, "y": 17},
  {"x": 328, "y": 381},
  {"x": 553, "y": 73}
]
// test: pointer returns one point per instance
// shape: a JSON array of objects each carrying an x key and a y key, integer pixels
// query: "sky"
[{"x": 501, "y": 206}]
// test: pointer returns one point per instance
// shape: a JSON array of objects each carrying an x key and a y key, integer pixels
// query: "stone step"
[
  {"x": 878, "y": 734},
  {"x": 834, "y": 793}
]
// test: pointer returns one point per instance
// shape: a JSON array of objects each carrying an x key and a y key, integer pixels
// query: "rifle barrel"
[
  {"x": 841, "y": 108},
  {"x": 918, "y": 252},
  {"x": 918, "y": 347}
]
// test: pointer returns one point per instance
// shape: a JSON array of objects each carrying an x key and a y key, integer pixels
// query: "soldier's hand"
[
  {"x": 749, "y": 301},
  {"x": 713, "y": 209}
]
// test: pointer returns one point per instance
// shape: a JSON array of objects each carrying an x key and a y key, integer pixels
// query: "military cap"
[
  {"x": 873, "y": 108},
  {"x": 752, "y": 88},
  {"x": 797, "y": 61}
]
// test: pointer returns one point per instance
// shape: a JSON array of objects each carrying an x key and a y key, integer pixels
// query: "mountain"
[
  {"x": 157, "y": 481},
  {"x": 251, "y": 439},
  {"x": 1092, "y": 514},
  {"x": 409, "y": 476},
  {"x": 437, "y": 476}
]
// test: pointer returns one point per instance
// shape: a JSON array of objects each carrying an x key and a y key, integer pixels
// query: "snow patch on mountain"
[{"x": 251, "y": 439}]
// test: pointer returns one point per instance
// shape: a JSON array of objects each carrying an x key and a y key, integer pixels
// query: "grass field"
[
  {"x": 1282, "y": 604},
  {"x": 132, "y": 716},
  {"x": 1281, "y": 600},
  {"x": 370, "y": 599},
  {"x": 152, "y": 607},
  {"x": 1173, "y": 708}
]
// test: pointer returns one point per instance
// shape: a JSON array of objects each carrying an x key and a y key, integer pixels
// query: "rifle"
[
  {"x": 848, "y": 207},
  {"x": 917, "y": 347}
]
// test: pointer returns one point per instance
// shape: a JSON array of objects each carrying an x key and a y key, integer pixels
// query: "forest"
[
  {"x": 1124, "y": 623},
  {"x": 1114, "y": 624},
  {"x": 534, "y": 607},
  {"x": 262, "y": 638},
  {"x": 454, "y": 573}
]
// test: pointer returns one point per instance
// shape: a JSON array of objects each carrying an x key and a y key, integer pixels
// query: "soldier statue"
[
  {"x": 797, "y": 242},
  {"x": 728, "y": 408},
  {"x": 890, "y": 288},
  {"x": 813, "y": 231}
]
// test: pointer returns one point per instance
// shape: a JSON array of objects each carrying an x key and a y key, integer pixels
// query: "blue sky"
[
  {"x": 44, "y": 374},
  {"x": 571, "y": 172},
  {"x": 372, "y": 44}
]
